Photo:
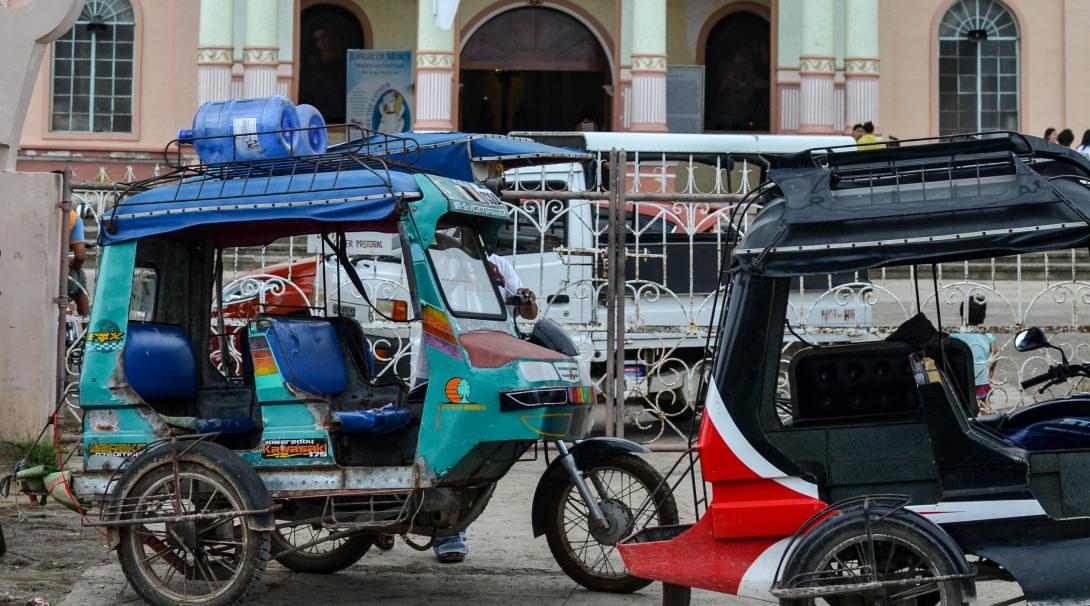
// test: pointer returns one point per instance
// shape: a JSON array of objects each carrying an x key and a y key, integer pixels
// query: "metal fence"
[{"x": 625, "y": 252}]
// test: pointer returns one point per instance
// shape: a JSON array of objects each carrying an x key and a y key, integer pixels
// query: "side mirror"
[{"x": 1030, "y": 339}]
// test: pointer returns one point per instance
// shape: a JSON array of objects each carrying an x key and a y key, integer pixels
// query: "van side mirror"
[{"x": 1030, "y": 339}]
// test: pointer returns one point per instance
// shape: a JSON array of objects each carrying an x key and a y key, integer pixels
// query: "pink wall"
[
  {"x": 165, "y": 89},
  {"x": 1053, "y": 87}
]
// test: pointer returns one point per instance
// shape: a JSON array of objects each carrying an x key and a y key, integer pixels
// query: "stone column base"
[
  {"x": 648, "y": 93},
  {"x": 259, "y": 72},
  {"x": 434, "y": 91},
  {"x": 817, "y": 97},
  {"x": 214, "y": 74},
  {"x": 861, "y": 90}
]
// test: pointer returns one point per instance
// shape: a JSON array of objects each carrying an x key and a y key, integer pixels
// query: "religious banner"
[{"x": 379, "y": 88}]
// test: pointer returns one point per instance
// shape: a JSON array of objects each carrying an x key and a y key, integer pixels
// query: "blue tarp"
[
  {"x": 452, "y": 154},
  {"x": 277, "y": 206}
]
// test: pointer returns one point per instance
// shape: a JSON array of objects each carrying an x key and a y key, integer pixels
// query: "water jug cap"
[{"x": 186, "y": 135}]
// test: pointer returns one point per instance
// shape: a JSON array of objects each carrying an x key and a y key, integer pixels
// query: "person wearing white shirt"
[{"x": 510, "y": 285}]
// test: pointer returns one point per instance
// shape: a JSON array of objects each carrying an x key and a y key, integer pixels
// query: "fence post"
[
  {"x": 615, "y": 297},
  {"x": 65, "y": 204}
]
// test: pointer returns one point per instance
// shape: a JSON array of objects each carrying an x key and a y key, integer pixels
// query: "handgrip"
[
  {"x": 1036, "y": 380},
  {"x": 517, "y": 300}
]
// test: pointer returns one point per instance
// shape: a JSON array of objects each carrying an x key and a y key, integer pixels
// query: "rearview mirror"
[{"x": 1030, "y": 339}]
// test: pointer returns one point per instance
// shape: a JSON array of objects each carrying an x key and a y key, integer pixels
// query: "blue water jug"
[
  {"x": 313, "y": 140},
  {"x": 242, "y": 130}
]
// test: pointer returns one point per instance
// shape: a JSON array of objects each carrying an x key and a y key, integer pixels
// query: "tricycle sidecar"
[
  {"x": 202, "y": 471},
  {"x": 874, "y": 479}
]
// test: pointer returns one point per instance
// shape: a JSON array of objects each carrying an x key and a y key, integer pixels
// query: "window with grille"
[
  {"x": 93, "y": 70},
  {"x": 978, "y": 68}
]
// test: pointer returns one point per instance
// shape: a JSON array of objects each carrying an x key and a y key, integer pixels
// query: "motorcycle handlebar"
[{"x": 1033, "y": 381}]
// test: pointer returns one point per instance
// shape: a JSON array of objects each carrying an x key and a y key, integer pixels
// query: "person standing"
[
  {"x": 869, "y": 140},
  {"x": 1050, "y": 135},
  {"x": 1066, "y": 137},
  {"x": 77, "y": 280},
  {"x": 453, "y": 549},
  {"x": 1084, "y": 145},
  {"x": 857, "y": 132},
  {"x": 983, "y": 348}
]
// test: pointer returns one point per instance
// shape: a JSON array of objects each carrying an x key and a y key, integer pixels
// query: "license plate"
[{"x": 346, "y": 311}]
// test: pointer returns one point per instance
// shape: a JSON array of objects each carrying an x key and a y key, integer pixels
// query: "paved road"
[{"x": 506, "y": 566}]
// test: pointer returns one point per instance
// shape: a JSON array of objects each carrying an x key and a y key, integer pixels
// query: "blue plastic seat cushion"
[
  {"x": 309, "y": 355},
  {"x": 159, "y": 363}
]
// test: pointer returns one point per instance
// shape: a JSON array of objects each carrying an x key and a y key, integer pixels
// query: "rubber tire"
[
  {"x": 676, "y": 595},
  {"x": 812, "y": 553},
  {"x": 667, "y": 515},
  {"x": 350, "y": 552},
  {"x": 229, "y": 469}
]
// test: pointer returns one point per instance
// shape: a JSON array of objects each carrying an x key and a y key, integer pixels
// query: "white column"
[
  {"x": 648, "y": 92},
  {"x": 214, "y": 50},
  {"x": 861, "y": 67},
  {"x": 817, "y": 67},
  {"x": 260, "y": 55},
  {"x": 434, "y": 71}
]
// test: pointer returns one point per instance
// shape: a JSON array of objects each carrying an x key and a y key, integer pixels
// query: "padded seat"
[
  {"x": 159, "y": 363},
  {"x": 309, "y": 354}
]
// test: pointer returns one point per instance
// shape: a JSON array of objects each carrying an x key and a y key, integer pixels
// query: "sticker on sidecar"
[
  {"x": 115, "y": 449},
  {"x": 295, "y": 448},
  {"x": 106, "y": 340}
]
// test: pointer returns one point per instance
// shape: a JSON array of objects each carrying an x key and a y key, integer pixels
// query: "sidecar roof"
[
  {"x": 243, "y": 207},
  {"x": 836, "y": 209}
]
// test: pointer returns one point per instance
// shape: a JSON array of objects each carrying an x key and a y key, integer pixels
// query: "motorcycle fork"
[{"x": 577, "y": 478}]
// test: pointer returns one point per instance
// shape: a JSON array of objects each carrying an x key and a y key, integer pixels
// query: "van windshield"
[{"x": 459, "y": 262}]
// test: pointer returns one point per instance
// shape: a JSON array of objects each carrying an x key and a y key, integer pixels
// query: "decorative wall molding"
[
  {"x": 817, "y": 65},
  {"x": 426, "y": 59},
  {"x": 648, "y": 63},
  {"x": 856, "y": 66},
  {"x": 215, "y": 55},
  {"x": 260, "y": 56}
]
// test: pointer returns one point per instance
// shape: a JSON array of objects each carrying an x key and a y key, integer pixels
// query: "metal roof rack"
[{"x": 328, "y": 174}]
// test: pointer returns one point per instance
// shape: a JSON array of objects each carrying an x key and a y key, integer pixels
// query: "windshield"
[{"x": 459, "y": 264}]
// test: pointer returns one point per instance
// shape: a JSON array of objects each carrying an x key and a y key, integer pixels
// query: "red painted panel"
[
  {"x": 695, "y": 559},
  {"x": 774, "y": 519}
]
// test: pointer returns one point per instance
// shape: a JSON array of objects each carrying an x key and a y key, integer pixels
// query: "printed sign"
[
  {"x": 114, "y": 449},
  {"x": 295, "y": 448},
  {"x": 366, "y": 243},
  {"x": 379, "y": 85}
]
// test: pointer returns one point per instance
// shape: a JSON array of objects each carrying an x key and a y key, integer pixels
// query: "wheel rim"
[
  {"x": 625, "y": 491},
  {"x": 190, "y": 562},
  {"x": 306, "y": 533},
  {"x": 894, "y": 559}
]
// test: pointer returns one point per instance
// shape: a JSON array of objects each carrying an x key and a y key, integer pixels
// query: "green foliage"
[{"x": 37, "y": 453}]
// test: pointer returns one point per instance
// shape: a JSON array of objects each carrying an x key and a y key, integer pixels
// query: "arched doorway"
[
  {"x": 737, "y": 74},
  {"x": 326, "y": 32},
  {"x": 533, "y": 68}
]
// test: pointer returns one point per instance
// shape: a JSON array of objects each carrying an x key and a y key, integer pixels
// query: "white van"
[{"x": 674, "y": 249}]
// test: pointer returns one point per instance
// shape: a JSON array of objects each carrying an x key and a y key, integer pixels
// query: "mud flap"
[{"x": 586, "y": 453}]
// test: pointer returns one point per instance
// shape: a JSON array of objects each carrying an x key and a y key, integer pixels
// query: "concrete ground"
[{"x": 506, "y": 565}]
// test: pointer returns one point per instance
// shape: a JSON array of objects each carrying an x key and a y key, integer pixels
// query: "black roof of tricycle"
[{"x": 956, "y": 198}]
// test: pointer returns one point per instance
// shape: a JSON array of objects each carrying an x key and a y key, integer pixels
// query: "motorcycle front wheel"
[{"x": 635, "y": 496}]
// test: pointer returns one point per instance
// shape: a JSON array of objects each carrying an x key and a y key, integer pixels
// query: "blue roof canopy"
[
  {"x": 256, "y": 210},
  {"x": 452, "y": 154}
]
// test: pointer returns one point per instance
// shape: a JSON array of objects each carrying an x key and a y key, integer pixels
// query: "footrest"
[{"x": 374, "y": 421}]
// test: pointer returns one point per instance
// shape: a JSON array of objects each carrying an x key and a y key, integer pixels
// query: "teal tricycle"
[{"x": 200, "y": 475}]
